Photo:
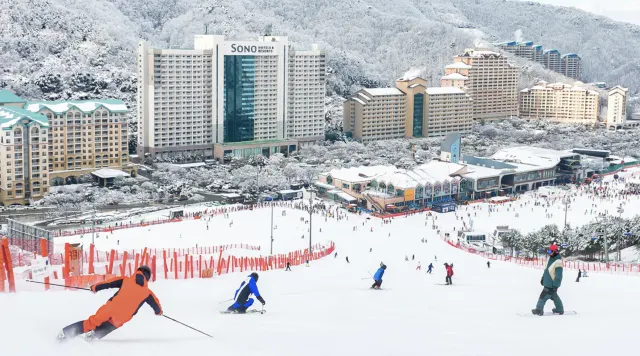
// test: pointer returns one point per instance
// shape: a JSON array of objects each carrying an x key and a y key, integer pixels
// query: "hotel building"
[
  {"x": 489, "y": 79},
  {"x": 559, "y": 102},
  {"x": 223, "y": 96}
]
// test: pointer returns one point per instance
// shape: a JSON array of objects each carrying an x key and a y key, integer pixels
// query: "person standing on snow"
[
  {"x": 488, "y": 264},
  {"x": 377, "y": 277},
  {"x": 132, "y": 293},
  {"x": 449, "y": 268},
  {"x": 579, "y": 275},
  {"x": 551, "y": 281},
  {"x": 288, "y": 266},
  {"x": 430, "y": 268},
  {"x": 241, "y": 299}
]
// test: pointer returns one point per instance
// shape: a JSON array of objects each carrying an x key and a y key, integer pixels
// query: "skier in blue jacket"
[
  {"x": 377, "y": 277},
  {"x": 241, "y": 298}
]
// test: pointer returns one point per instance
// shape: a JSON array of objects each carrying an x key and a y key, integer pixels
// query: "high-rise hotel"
[{"x": 229, "y": 97}]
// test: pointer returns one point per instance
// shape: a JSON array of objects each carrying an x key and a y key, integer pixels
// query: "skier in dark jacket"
[
  {"x": 430, "y": 268},
  {"x": 551, "y": 281},
  {"x": 241, "y": 298},
  {"x": 377, "y": 277},
  {"x": 288, "y": 266},
  {"x": 579, "y": 275}
]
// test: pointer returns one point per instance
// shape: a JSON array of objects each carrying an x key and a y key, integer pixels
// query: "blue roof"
[
  {"x": 570, "y": 55},
  {"x": 526, "y": 43},
  {"x": 9, "y": 97},
  {"x": 552, "y": 51}
]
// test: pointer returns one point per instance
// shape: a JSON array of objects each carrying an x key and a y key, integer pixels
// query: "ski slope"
[{"x": 328, "y": 309}]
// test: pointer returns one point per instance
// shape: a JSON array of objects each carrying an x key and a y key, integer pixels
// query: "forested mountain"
[{"x": 85, "y": 48}]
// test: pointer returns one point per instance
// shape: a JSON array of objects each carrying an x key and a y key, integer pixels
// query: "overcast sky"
[{"x": 619, "y": 10}]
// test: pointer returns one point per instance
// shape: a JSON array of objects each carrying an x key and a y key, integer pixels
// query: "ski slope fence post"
[
  {"x": 111, "y": 260},
  {"x": 45, "y": 254},
  {"x": 124, "y": 264},
  {"x": 91, "y": 268},
  {"x": 164, "y": 260},
  {"x": 8, "y": 263}
]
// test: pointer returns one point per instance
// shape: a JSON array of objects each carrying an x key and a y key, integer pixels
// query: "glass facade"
[
  {"x": 239, "y": 115},
  {"x": 418, "y": 114}
]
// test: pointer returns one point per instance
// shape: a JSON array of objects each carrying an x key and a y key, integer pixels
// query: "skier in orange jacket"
[{"x": 132, "y": 293}]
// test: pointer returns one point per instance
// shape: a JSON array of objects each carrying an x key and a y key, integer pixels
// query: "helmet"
[
  {"x": 146, "y": 271},
  {"x": 254, "y": 275},
  {"x": 384, "y": 267}
]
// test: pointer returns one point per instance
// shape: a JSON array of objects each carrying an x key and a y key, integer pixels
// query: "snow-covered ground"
[{"x": 328, "y": 309}]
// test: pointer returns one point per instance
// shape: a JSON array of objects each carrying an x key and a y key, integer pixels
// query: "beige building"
[
  {"x": 84, "y": 135},
  {"x": 409, "y": 110},
  {"x": 23, "y": 155},
  {"x": 375, "y": 114},
  {"x": 489, "y": 79},
  {"x": 448, "y": 110},
  {"x": 559, "y": 102},
  {"x": 617, "y": 107}
]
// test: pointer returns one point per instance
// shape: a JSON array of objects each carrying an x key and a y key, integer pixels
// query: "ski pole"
[
  {"x": 59, "y": 285},
  {"x": 192, "y": 328},
  {"x": 225, "y": 301},
  {"x": 365, "y": 278}
]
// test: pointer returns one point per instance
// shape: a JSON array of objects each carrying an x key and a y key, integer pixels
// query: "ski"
[
  {"x": 566, "y": 312},
  {"x": 252, "y": 311}
]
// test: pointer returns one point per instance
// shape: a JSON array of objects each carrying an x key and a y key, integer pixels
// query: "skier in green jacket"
[{"x": 551, "y": 281}]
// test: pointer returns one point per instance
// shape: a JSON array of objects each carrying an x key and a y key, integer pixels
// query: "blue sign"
[
  {"x": 627, "y": 234},
  {"x": 563, "y": 245}
]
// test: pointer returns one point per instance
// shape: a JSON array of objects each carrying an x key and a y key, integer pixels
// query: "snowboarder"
[
  {"x": 377, "y": 277},
  {"x": 551, "y": 281},
  {"x": 335, "y": 255},
  {"x": 288, "y": 266},
  {"x": 488, "y": 264},
  {"x": 449, "y": 269},
  {"x": 132, "y": 293},
  {"x": 579, "y": 275},
  {"x": 430, "y": 268},
  {"x": 348, "y": 259},
  {"x": 241, "y": 298}
]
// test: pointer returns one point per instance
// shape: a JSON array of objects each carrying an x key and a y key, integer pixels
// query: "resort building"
[
  {"x": 24, "y": 144},
  {"x": 489, "y": 79},
  {"x": 409, "y": 110},
  {"x": 559, "y": 102},
  {"x": 617, "y": 107},
  {"x": 226, "y": 93}
]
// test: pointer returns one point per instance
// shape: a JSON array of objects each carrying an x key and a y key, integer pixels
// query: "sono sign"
[{"x": 249, "y": 48}]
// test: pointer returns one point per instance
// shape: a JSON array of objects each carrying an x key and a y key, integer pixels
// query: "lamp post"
[
  {"x": 93, "y": 227},
  {"x": 310, "y": 218},
  {"x": 606, "y": 241},
  {"x": 620, "y": 211},
  {"x": 566, "y": 201},
  {"x": 271, "y": 251}
]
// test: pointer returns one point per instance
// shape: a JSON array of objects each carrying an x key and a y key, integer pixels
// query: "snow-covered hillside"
[{"x": 328, "y": 309}]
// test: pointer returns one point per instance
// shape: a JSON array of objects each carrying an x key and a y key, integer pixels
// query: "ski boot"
[
  {"x": 555, "y": 311},
  {"x": 537, "y": 312},
  {"x": 90, "y": 336}
]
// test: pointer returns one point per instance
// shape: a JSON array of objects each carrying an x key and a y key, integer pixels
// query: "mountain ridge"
[{"x": 73, "y": 49}]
